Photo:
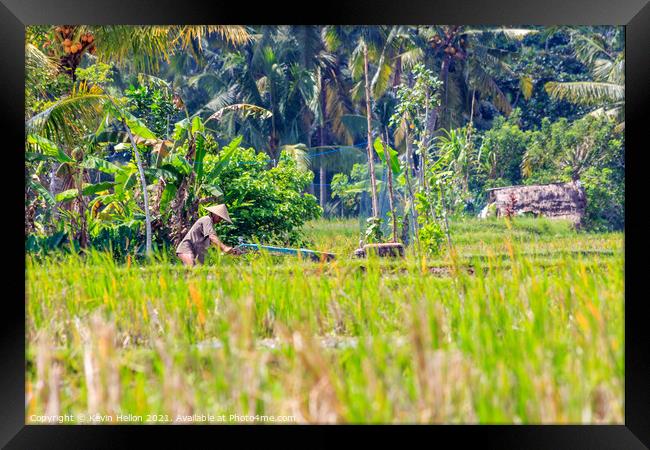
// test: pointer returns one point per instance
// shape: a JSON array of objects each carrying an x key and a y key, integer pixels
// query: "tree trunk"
[
  {"x": 409, "y": 161},
  {"x": 444, "y": 72},
  {"x": 371, "y": 162},
  {"x": 321, "y": 136},
  {"x": 470, "y": 147},
  {"x": 391, "y": 195},
  {"x": 81, "y": 209},
  {"x": 397, "y": 79},
  {"x": 424, "y": 145},
  {"x": 145, "y": 195},
  {"x": 430, "y": 122},
  {"x": 54, "y": 188},
  {"x": 323, "y": 187},
  {"x": 444, "y": 211}
]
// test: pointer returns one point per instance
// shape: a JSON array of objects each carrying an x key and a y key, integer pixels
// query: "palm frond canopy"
[
  {"x": 36, "y": 60},
  {"x": 586, "y": 92},
  {"x": 144, "y": 47},
  {"x": 71, "y": 116},
  {"x": 299, "y": 153}
]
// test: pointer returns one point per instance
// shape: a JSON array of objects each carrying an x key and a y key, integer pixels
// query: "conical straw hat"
[{"x": 221, "y": 211}]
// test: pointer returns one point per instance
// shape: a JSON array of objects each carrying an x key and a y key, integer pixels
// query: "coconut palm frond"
[
  {"x": 299, "y": 153},
  {"x": 617, "y": 113},
  {"x": 604, "y": 112},
  {"x": 586, "y": 92},
  {"x": 498, "y": 64},
  {"x": 38, "y": 65},
  {"x": 309, "y": 43},
  {"x": 612, "y": 71},
  {"x": 244, "y": 108},
  {"x": 208, "y": 80},
  {"x": 381, "y": 79},
  {"x": 514, "y": 33},
  {"x": 220, "y": 100},
  {"x": 331, "y": 36},
  {"x": 36, "y": 60},
  {"x": 411, "y": 57},
  {"x": 68, "y": 117},
  {"x": 617, "y": 74},
  {"x": 357, "y": 92},
  {"x": 510, "y": 33},
  {"x": 488, "y": 86},
  {"x": 589, "y": 47},
  {"x": 526, "y": 85},
  {"x": 356, "y": 62},
  {"x": 232, "y": 34},
  {"x": 142, "y": 47},
  {"x": 338, "y": 105}
]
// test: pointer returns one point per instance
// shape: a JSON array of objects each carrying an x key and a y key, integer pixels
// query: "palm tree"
[
  {"x": 141, "y": 47},
  {"x": 268, "y": 73},
  {"x": 69, "y": 121},
  {"x": 607, "y": 89},
  {"x": 332, "y": 100},
  {"x": 368, "y": 47},
  {"x": 38, "y": 65},
  {"x": 468, "y": 62}
]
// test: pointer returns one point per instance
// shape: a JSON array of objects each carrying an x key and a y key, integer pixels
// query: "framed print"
[{"x": 412, "y": 216}]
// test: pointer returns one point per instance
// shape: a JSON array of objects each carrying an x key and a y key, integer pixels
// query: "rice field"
[{"x": 521, "y": 323}]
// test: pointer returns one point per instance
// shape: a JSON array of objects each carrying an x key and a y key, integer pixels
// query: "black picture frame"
[{"x": 633, "y": 14}]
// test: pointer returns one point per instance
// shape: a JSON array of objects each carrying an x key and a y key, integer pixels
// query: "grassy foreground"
[{"x": 523, "y": 325}]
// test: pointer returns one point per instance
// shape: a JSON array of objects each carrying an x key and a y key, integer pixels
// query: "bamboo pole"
[{"x": 371, "y": 162}]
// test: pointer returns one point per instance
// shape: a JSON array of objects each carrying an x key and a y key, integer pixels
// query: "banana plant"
[
  {"x": 92, "y": 105},
  {"x": 388, "y": 157},
  {"x": 183, "y": 172},
  {"x": 73, "y": 168}
]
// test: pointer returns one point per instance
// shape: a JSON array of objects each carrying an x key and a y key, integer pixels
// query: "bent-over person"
[{"x": 198, "y": 239}]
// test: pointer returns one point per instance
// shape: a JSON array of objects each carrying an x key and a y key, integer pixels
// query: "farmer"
[{"x": 196, "y": 242}]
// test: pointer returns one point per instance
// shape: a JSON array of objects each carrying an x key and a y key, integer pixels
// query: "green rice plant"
[{"x": 523, "y": 325}]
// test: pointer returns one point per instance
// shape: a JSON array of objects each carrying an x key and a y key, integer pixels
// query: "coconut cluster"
[
  {"x": 452, "y": 47},
  {"x": 73, "y": 42}
]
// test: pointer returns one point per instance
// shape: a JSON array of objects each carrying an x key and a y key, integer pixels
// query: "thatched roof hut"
[{"x": 556, "y": 201}]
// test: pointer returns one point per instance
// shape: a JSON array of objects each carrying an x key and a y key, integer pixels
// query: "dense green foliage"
[
  {"x": 465, "y": 109},
  {"x": 589, "y": 150},
  {"x": 266, "y": 204},
  {"x": 131, "y": 131},
  {"x": 154, "y": 106}
]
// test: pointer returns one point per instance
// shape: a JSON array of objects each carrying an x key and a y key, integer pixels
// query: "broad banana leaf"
[
  {"x": 225, "y": 155},
  {"x": 213, "y": 190},
  {"x": 48, "y": 148},
  {"x": 92, "y": 162},
  {"x": 88, "y": 189},
  {"x": 393, "y": 162},
  {"x": 40, "y": 190}
]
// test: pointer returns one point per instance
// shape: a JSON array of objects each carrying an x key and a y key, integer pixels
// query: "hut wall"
[{"x": 557, "y": 201}]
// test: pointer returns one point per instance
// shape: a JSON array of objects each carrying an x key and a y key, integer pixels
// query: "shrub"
[
  {"x": 503, "y": 149},
  {"x": 266, "y": 203},
  {"x": 605, "y": 200}
]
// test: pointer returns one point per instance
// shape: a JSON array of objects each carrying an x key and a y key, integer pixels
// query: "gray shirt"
[{"x": 198, "y": 237}]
